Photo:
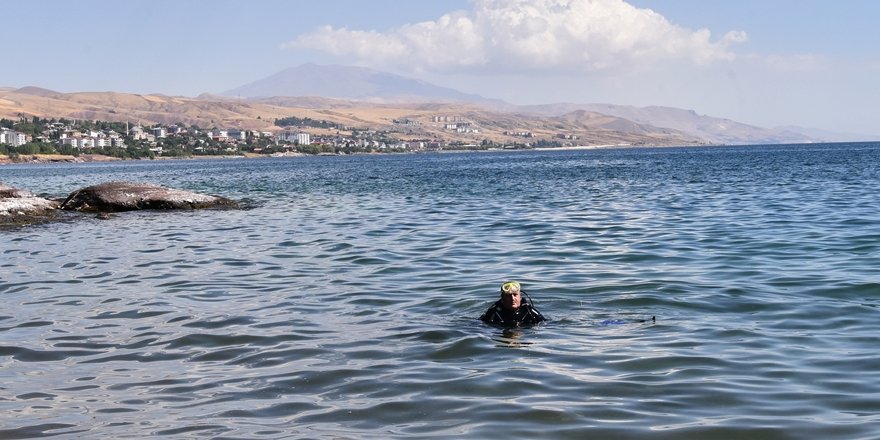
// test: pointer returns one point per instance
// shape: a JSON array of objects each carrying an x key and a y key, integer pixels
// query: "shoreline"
[
  {"x": 55, "y": 158},
  {"x": 45, "y": 159},
  {"x": 39, "y": 159}
]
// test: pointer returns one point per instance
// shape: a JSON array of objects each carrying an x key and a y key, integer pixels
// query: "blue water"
[{"x": 342, "y": 303}]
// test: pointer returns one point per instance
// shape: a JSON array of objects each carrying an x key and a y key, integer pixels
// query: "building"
[
  {"x": 71, "y": 141},
  {"x": 300, "y": 138},
  {"x": 80, "y": 142},
  {"x": 13, "y": 138},
  {"x": 137, "y": 133},
  {"x": 237, "y": 135},
  {"x": 117, "y": 141},
  {"x": 406, "y": 121},
  {"x": 447, "y": 119}
]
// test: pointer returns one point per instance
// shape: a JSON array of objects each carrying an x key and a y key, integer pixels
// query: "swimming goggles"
[{"x": 510, "y": 287}]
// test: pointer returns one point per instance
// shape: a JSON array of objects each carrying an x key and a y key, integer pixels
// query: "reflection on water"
[
  {"x": 510, "y": 337},
  {"x": 344, "y": 303}
]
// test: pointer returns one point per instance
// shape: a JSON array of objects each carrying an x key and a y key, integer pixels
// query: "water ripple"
[{"x": 344, "y": 302}]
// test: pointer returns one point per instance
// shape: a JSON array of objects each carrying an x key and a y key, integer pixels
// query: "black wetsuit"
[{"x": 525, "y": 315}]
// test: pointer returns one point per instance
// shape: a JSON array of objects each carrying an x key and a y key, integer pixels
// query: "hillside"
[
  {"x": 367, "y": 85},
  {"x": 713, "y": 130},
  {"x": 211, "y": 111},
  {"x": 369, "y": 99}
]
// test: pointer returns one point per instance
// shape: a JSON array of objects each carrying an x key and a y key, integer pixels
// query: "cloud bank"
[{"x": 523, "y": 35}]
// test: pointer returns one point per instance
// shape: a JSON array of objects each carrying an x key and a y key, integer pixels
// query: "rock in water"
[
  {"x": 22, "y": 207},
  {"x": 129, "y": 196}
]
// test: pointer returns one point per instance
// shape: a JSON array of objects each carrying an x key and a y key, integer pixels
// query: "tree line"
[{"x": 292, "y": 121}]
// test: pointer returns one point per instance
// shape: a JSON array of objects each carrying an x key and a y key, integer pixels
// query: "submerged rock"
[
  {"x": 23, "y": 207},
  {"x": 130, "y": 196}
]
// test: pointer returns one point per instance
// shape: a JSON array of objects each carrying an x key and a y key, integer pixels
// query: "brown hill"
[
  {"x": 208, "y": 111},
  {"x": 712, "y": 129}
]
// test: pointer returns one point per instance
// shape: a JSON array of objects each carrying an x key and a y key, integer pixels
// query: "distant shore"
[
  {"x": 84, "y": 158},
  {"x": 55, "y": 158}
]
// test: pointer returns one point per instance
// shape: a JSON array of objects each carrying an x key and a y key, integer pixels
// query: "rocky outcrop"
[
  {"x": 23, "y": 207},
  {"x": 130, "y": 196},
  {"x": 19, "y": 207}
]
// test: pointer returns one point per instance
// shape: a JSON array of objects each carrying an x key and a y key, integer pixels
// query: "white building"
[
  {"x": 303, "y": 139},
  {"x": 13, "y": 138},
  {"x": 79, "y": 142},
  {"x": 137, "y": 133},
  {"x": 300, "y": 138}
]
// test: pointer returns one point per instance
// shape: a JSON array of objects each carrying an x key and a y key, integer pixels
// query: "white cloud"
[{"x": 515, "y": 35}]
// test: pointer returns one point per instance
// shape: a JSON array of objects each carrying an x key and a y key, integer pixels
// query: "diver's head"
[{"x": 510, "y": 295}]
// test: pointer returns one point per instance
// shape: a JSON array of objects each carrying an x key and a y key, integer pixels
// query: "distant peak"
[
  {"x": 348, "y": 82},
  {"x": 36, "y": 91}
]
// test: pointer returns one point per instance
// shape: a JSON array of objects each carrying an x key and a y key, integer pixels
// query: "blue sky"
[{"x": 770, "y": 63}]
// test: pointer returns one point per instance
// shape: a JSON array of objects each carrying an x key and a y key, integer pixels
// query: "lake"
[{"x": 343, "y": 301}]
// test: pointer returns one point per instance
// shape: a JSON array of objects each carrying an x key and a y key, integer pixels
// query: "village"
[{"x": 34, "y": 135}]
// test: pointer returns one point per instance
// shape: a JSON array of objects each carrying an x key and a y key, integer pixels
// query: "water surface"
[{"x": 343, "y": 302}]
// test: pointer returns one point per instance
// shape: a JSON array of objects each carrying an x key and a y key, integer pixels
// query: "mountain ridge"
[
  {"x": 310, "y": 90},
  {"x": 368, "y": 85},
  {"x": 714, "y": 130},
  {"x": 260, "y": 115},
  {"x": 348, "y": 82}
]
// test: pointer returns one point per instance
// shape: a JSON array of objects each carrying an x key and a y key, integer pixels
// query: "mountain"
[
  {"x": 36, "y": 91},
  {"x": 830, "y": 136},
  {"x": 605, "y": 121},
  {"x": 365, "y": 98},
  {"x": 713, "y": 130},
  {"x": 311, "y": 82},
  {"x": 347, "y": 82},
  {"x": 147, "y": 109},
  {"x": 208, "y": 111}
]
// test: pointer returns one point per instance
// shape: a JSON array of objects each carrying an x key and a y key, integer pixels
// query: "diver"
[{"x": 512, "y": 310}]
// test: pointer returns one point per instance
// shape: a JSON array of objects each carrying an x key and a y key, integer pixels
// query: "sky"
[{"x": 807, "y": 63}]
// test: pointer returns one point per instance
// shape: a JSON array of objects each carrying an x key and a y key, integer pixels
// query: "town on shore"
[{"x": 28, "y": 139}]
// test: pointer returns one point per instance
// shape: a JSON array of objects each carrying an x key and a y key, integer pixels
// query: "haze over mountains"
[
  {"x": 348, "y": 82},
  {"x": 361, "y": 97},
  {"x": 358, "y": 83}
]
